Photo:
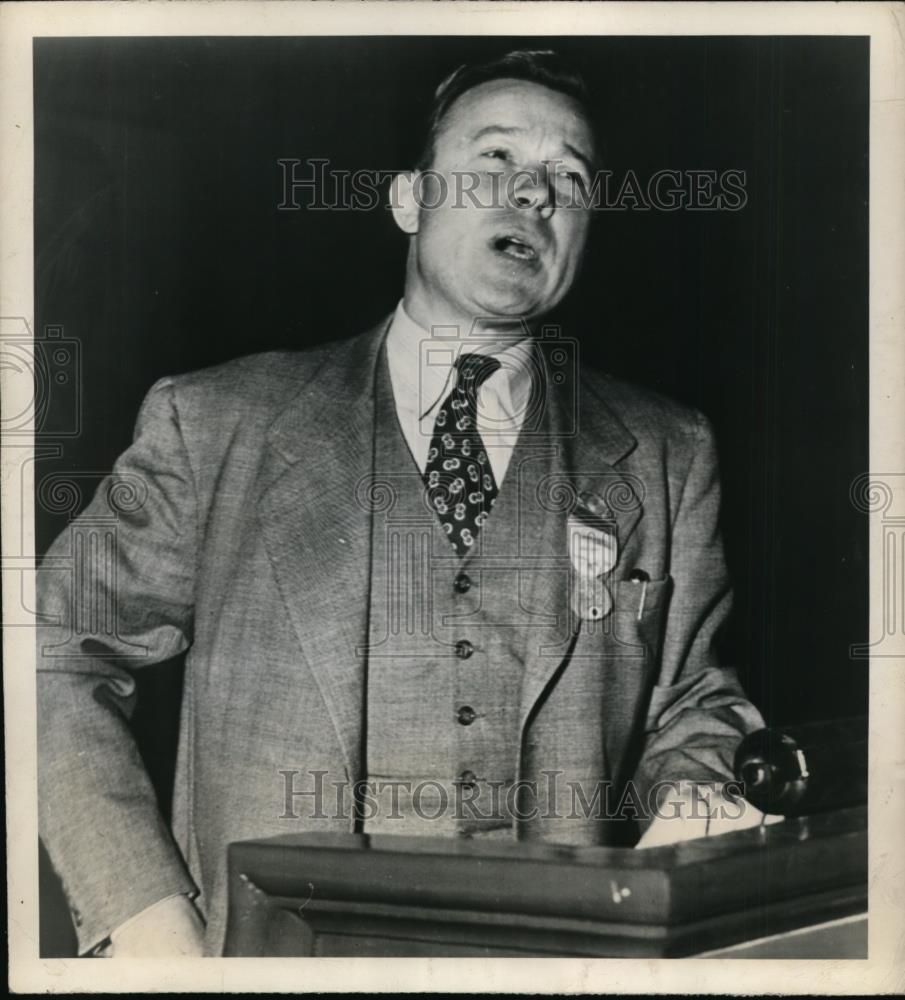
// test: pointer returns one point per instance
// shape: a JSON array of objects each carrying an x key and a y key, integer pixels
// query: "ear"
[{"x": 403, "y": 202}]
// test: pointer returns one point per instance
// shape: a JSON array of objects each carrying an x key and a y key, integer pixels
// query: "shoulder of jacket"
[
  {"x": 646, "y": 412},
  {"x": 252, "y": 385},
  {"x": 274, "y": 372}
]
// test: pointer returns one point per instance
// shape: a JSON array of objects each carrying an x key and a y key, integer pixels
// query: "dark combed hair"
[{"x": 543, "y": 66}]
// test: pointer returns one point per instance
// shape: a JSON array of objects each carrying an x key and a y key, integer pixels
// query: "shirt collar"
[{"x": 421, "y": 366}]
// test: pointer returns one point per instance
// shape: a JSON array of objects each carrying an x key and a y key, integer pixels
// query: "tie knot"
[{"x": 474, "y": 370}]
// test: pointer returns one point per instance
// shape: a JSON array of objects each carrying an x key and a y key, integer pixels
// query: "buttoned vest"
[{"x": 446, "y": 642}]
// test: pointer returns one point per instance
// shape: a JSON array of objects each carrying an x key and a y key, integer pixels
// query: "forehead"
[{"x": 519, "y": 104}]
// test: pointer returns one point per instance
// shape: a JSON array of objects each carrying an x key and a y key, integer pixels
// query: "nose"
[{"x": 532, "y": 189}]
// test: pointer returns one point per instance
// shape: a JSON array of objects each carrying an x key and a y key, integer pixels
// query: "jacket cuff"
[{"x": 94, "y": 936}]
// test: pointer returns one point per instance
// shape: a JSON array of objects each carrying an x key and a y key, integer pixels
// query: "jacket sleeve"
[
  {"x": 698, "y": 712},
  {"x": 115, "y": 595}
]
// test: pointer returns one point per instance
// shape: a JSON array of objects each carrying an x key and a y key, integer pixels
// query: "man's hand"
[
  {"x": 690, "y": 810},
  {"x": 172, "y": 928}
]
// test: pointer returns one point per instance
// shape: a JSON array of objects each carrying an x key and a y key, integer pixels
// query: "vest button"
[
  {"x": 462, "y": 583},
  {"x": 464, "y": 649},
  {"x": 466, "y": 715}
]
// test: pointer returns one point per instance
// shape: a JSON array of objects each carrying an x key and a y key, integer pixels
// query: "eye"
[
  {"x": 496, "y": 154},
  {"x": 570, "y": 174},
  {"x": 572, "y": 183}
]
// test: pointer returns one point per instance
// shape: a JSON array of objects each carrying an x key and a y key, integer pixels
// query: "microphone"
[{"x": 802, "y": 769}]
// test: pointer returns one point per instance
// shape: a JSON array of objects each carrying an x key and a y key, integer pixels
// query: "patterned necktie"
[{"x": 460, "y": 484}]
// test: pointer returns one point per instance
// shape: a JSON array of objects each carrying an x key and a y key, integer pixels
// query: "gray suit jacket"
[{"x": 235, "y": 527}]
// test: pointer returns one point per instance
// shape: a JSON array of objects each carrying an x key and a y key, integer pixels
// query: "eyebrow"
[{"x": 514, "y": 129}]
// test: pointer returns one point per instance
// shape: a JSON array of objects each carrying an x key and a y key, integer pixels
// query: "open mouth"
[{"x": 515, "y": 247}]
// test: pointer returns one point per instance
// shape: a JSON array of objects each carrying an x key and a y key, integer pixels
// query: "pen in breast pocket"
[{"x": 638, "y": 576}]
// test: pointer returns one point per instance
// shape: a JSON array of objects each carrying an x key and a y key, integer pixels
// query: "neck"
[{"x": 489, "y": 332}]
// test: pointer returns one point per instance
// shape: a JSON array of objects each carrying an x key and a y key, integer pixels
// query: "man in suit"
[{"x": 437, "y": 564}]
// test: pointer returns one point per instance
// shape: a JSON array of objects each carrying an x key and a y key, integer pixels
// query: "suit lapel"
[
  {"x": 583, "y": 442},
  {"x": 600, "y": 442},
  {"x": 316, "y": 525}
]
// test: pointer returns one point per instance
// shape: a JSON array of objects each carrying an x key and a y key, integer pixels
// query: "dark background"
[{"x": 160, "y": 248}]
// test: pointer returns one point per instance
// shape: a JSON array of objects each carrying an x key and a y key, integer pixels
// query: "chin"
[{"x": 512, "y": 303}]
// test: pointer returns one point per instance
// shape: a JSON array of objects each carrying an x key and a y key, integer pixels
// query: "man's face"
[{"x": 518, "y": 258}]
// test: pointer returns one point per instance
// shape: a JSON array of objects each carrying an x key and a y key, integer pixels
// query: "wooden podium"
[{"x": 794, "y": 889}]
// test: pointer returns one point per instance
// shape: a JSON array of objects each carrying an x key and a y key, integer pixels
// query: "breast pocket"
[
  {"x": 638, "y": 618},
  {"x": 632, "y": 629},
  {"x": 645, "y": 600}
]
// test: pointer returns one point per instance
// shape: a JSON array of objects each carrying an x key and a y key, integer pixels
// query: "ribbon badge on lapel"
[{"x": 593, "y": 552}]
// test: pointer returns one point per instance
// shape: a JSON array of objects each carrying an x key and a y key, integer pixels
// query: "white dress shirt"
[{"x": 422, "y": 375}]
